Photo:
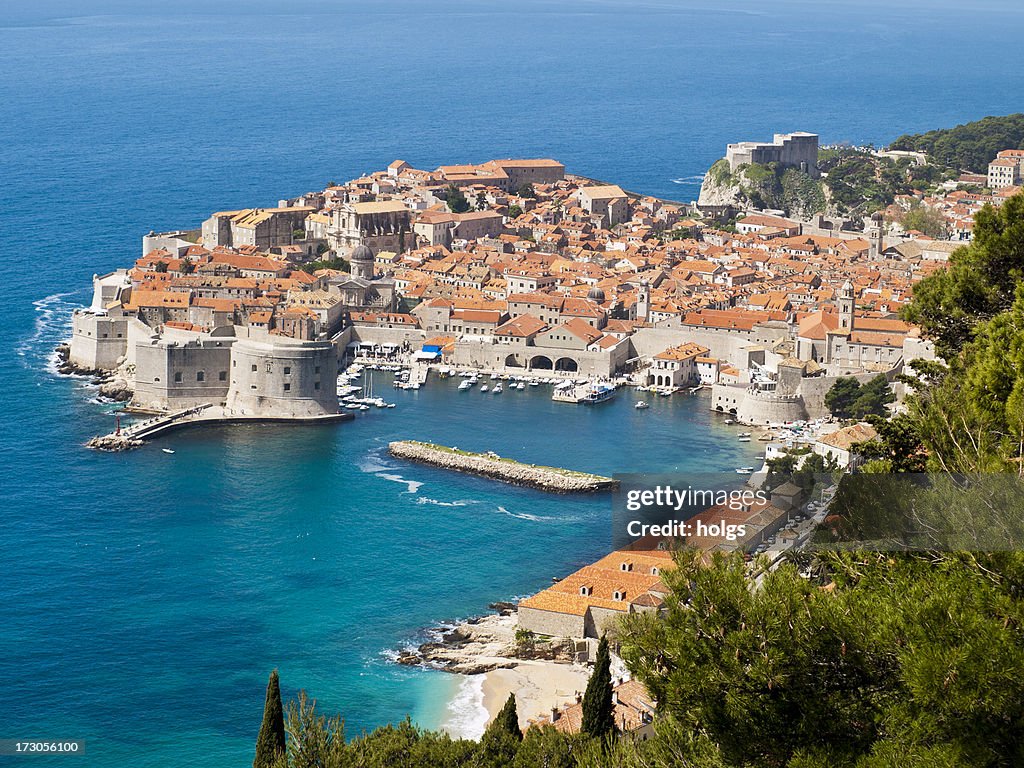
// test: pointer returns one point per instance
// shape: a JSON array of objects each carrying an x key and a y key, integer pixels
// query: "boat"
[
  {"x": 598, "y": 394},
  {"x": 466, "y": 384},
  {"x": 484, "y": 388},
  {"x": 744, "y": 434},
  {"x": 744, "y": 471},
  {"x": 353, "y": 406},
  {"x": 729, "y": 421},
  {"x": 744, "y": 439},
  {"x": 534, "y": 383},
  {"x": 167, "y": 450},
  {"x": 363, "y": 407},
  {"x": 519, "y": 385},
  {"x": 666, "y": 393},
  {"x": 641, "y": 404},
  {"x": 391, "y": 405},
  {"x": 496, "y": 390}
]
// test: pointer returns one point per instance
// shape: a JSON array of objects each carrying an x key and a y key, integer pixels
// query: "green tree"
[
  {"x": 187, "y": 266},
  {"x": 161, "y": 267},
  {"x": 598, "y": 711},
  {"x": 873, "y": 398},
  {"x": 979, "y": 283},
  {"x": 457, "y": 202},
  {"x": 842, "y": 396},
  {"x": 515, "y": 211},
  {"x": 526, "y": 190},
  {"x": 481, "y": 201},
  {"x": 545, "y": 747},
  {"x": 507, "y": 719},
  {"x": 270, "y": 743},
  {"x": 926, "y": 220}
]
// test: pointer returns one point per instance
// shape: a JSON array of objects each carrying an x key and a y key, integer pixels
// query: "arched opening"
[
  {"x": 566, "y": 364},
  {"x": 732, "y": 411},
  {"x": 719, "y": 408},
  {"x": 512, "y": 362},
  {"x": 541, "y": 363}
]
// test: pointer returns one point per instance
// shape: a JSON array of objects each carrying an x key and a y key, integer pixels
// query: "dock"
[
  {"x": 490, "y": 464},
  {"x": 136, "y": 435}
]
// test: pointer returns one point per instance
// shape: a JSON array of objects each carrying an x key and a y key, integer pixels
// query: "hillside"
[{"x": 971, "y": 146}]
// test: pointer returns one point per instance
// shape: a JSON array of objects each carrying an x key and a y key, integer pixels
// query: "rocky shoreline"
[
  {"x": 111, "y": 384},
  {"x": 484, "y": 644},
  {"x": 493, "y": 466}
]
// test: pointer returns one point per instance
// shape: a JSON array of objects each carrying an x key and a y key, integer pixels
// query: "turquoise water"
[{"x": 146, "y": 596}]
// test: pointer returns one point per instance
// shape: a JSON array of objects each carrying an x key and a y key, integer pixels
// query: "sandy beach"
[{"x": 538, "y": 686}]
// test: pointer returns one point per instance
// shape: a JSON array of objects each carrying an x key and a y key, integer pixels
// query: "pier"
[
  {"x": 135, "y": 435},
  {"x": 490, "y": 464}
]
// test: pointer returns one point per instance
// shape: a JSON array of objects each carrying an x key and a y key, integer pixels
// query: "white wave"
[
  {"x": 52, "y": 326},
  {"x": 467, "y": 717},
  {"x": 688, "y": 180},
  {"x": 435, "y": 502},
  {"x": 412, "y": 485},
  {"x": 527, "y": 516}
]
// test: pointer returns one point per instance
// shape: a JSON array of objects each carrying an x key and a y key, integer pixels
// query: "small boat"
[
  {"x": 744, "y": 471},
  {"x": 391, "y": 405},
  {"x": 744, "y": 439},
  {"x": 353, "y": 406},
  {"x": 728, "y": 421},
  {"x": 466, "y": 384},
  {"x": 534, "y": 383},
  {"x": 363, "y": 407},
  {"x": 641, "y": 404},
  {"x": 484, "y": 388},
  {"x": 167, "y": 450},
  {"x": 496, "y": 390},
  {"x": 520, "y": 385},
  {"x": 744, "y": 434},
  {"x": 666, "y": 393}
]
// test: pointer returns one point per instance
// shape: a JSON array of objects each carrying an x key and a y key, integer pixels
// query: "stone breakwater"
[{"x": 491, "y": 465}]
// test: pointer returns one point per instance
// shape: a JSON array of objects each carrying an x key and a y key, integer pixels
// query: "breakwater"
[{"x": 553, "y": 479}]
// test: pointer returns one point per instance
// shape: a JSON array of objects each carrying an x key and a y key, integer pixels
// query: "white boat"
[
  {"x": 391, "y": 405},
  {"x": 729, "y": 421},
  {"x": 167, "y": 450},
  {"x": 466, "y": 384},
  {"x": 496, "y": 390},
  {"x": 599, "y": 394},
  {"x": 744, "y": 471},
  {"x": 744, "y": 439},
  {"x": 353, "y": 406},
  {"x": 534, "y": 383},
  {"x": 520, "y": 385},
  {"x": 363, "y": 407},
  {"x": 484, "y": 388},
  {"x": 744, "y": 434},
  {"x": 641, "y": 404}
]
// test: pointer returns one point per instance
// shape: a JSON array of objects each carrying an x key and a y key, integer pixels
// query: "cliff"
[{"x": 763, "y": 186}]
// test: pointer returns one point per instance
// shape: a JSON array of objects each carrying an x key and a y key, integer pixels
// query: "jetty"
[
  {"x": 490, "y": 464},
  {"x": 135, "y": 435}
]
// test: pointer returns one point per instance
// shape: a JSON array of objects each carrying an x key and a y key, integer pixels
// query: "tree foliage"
[
  {"x": 598, "y": 711},
  {"x": 457, "y": 202},
  {"x": 270, "y": 743},
  {"x": 849, "y": 399},
  {"x": 896, "y": 659},
  {"x": 971, "y": 146},
  {"x": 979, "y": 283}
]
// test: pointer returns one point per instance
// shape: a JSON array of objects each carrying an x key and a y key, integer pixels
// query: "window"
[
  {"x": 177, "y": 377},
  {"x": 316, "y": 385},
  {"x": 585, "y": 591},
  {"x": 287, "y": 387},
  {"x": 618, "y": 595},
  {"x": 287, "y": 370},
  {"x": 200, "y": 375},
  {"x": 254, "y": 367},
  {"x": 655, "y": 571},
  {"x": 317, "y": 369},
  {"x": 222, "y": 376},
  {"x": 626, "y": 566}
]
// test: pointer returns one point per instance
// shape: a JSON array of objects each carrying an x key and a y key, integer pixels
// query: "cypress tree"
[
  {"x": 270, "y": 742},
  {"x": 507, "y": 719},
  {"x": 598, "y": 713}
]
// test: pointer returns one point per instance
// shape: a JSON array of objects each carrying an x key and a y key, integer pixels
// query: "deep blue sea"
[{"x": 145, "y": 597}]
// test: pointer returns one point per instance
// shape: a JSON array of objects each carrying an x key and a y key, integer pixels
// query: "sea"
[{"x": 146, "y": 596}]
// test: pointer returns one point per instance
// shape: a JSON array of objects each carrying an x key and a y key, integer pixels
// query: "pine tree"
[
  {"x": 270, "y": 743},
  {"x": 598, "y": 712},
  {"x": 507, "y": 719}
]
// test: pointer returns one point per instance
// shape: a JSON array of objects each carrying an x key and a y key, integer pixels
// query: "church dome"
[
  {"x": 596, "y": 295},
  {"x": 361, "y": 253}
]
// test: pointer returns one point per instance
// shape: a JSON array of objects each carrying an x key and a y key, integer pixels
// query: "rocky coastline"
[
  {"x": 111, "y": 384},
  {"x": 484, "y": 644},
  {"x": 491, "y": 465}
]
